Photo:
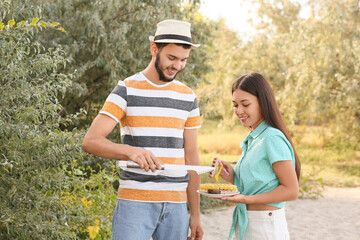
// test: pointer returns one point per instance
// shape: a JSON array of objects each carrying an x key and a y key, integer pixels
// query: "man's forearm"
[
  {"x": 193, "y": 196},
  {"x": 104, "y": 148},
  {"x": 96, "y": 143}
]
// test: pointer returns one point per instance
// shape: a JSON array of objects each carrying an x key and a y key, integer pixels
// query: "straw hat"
[{"x": 173, "y": 31}]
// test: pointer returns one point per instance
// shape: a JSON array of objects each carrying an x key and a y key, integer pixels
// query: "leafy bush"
[{"x": 44, "y": 192}]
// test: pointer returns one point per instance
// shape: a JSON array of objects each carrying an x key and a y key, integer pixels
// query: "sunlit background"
[
  {"x": 60, "y": 59},
  {"x": 240, "y": 15}
]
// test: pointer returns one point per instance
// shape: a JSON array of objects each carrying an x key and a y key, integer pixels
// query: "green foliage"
[
  {"x": 39, "y": 163},
  {"x": 215, "y": 92},
  {"x": 108, "y": 41},
  {"x": 312, "y": 64},
  {"x": 50, "y": 188}
]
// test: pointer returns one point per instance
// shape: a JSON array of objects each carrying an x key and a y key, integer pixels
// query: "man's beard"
[{"x": 162, "y": 76}]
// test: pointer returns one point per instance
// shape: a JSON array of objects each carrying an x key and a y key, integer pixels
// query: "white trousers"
[{"x": 266, "y": 225}]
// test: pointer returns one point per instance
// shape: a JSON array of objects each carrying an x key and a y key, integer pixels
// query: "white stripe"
[
  {"x": 153, "y": 185},
  {"x": 179, "y": 83},
  {"x": 141, "y": 77},
  {"x": 167, "y": 152},
  {"x": 152, "y": 132},
  {"x": 110, "y": 115},
  {"x": 161, "y": 94},
  {"x": 193, "y": 127},
  {"x": 194, "y": 113},
  {"x": 157, "y": 112},
  {"x": 166, "y": 173},
  {"x": 121, "y": 83},
  {"x": 116, "y": 99}
]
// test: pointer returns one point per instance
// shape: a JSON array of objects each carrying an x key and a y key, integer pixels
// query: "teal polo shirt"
[{"x": 254, "y": 173}]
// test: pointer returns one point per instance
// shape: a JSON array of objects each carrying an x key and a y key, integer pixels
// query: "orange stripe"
[
  {"x": 180, "y": 161},
  {"x": 193, "y": 122},
  {"x": 113, "y": 109},
  {"x": 147, "y": 86},
  {"x": 163, "y": 122},
  {"x": 152, "y": 195}
]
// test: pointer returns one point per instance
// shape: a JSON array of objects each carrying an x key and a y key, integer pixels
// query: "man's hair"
[{"x": 162, "y": 45}]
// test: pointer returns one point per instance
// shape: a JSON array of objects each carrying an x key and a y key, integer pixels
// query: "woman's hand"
[
  {"x": 227, "y": 173},
  {"x": 238, "y": 198}
]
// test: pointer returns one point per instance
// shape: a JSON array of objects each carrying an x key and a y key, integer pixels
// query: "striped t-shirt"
[{"x": 153, "y": 117}]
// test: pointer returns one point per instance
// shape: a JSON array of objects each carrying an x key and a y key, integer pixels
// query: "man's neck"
[{"x": 151, "y": 74}]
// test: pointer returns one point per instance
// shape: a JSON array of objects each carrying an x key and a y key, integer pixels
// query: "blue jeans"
[{"x": 134, "y": 220}]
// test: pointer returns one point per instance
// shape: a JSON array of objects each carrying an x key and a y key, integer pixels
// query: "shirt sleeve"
[
  {"x": 278, "y": 148},
  {"x": 193, "y": 120},
  {"x": 116, "y": 103}
]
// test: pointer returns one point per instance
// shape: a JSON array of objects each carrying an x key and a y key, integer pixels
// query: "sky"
[{"x": 237, "y": 13}]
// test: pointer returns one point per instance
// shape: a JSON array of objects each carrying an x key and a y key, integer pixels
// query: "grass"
[
  {"x": 336, "y": 168},
  {"x": 325, "y": 161}
]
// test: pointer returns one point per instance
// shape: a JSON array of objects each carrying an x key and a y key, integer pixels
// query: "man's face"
[{"x": 171, "y": 60}]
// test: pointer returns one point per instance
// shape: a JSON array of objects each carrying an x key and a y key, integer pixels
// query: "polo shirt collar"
[
  {"x": 254, "y": 134},
  {"x": 260, "y": 129}
]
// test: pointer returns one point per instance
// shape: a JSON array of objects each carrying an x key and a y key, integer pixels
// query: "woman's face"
[{"x": 247, "y": 108}]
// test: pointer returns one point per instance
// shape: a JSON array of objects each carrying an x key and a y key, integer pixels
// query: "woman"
[{"x": 268, "y": 171}]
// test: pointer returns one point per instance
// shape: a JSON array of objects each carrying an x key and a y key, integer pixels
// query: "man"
[{"x": 159, "y": 117}]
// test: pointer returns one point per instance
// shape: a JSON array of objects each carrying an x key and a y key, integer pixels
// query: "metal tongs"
[{"x": 198, "y": 169}]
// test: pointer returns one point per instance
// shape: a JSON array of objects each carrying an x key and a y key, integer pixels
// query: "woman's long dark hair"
[{"x": 257, "y": 85}]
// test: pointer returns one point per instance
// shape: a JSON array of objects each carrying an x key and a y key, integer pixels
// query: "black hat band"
[{"x": 172, "y": 36}]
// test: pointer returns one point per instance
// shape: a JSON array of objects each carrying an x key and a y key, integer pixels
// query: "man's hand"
[
  {"x": 145, "y": 158},
  {"x": 96, "y": 143},
  {"x": 195, "y": 229}
]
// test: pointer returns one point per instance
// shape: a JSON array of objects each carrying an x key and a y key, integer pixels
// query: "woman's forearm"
[{"x": 279, "y": 194}]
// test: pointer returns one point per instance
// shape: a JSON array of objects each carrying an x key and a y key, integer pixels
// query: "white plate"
[{"x": 217, "y": 195}]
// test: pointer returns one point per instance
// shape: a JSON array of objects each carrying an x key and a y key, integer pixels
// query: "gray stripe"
[
  {"x": 155, "y": 142},
  {"x": 121, "y": 91},
  {"x": 137, "y": 101},
  {"x": 125, "y": 175},
  {"x": 195, "y": 104}
]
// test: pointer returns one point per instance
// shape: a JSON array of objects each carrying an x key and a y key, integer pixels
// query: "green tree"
[
  {"x": 312, "y": 63},
  {"x": 215, "y": 93},
  {"x": 320, "y": 62},
  {"x": 108, "y": 41}
]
